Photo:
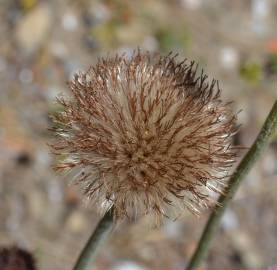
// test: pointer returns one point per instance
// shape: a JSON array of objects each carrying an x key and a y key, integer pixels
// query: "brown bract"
[{"x": 145, "y": 134}]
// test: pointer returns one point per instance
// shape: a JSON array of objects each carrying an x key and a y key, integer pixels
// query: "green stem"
[
  {"x": 97, "y": 238},
  {"x": 242, "y": 170}
]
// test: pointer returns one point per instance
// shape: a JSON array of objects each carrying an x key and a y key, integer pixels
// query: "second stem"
[
  {"x": 244, "y": 167},
  {"x": 97, "y": 238}
]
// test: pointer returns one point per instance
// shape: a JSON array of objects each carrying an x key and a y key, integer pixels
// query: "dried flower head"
[
  {"x": 146, "y": 134},
  {"x": 16, "y": 259}
]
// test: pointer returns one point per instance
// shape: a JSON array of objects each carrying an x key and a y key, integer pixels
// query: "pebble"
[
  {"x": 260, "y": 8},
  {"x": 260, "y": 12},
  {"x": 37, "y": 203},
  {"x": 76, "y": 222},
  {"x": 70, "y": 22},
  {"x": 59, "y": 49},
  {"x": 229, "y": 220},
  {"x": 191, "y": 4},
  {"x": 173, "y": 230},
  {"x": 43, "y": 158},
  {"x": 55, "y": 192},
  {"x": 128, "y": 266},
  {"x": 33, "y": 29},
  {"x": 229, "y": 58},
  {"x": 26, "y": 76}
]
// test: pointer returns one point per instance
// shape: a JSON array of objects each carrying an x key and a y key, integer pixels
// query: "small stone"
[
  {"x": 260, "y": 8},
  {"x": 229, "y": 58},
  {"x": 70, "y": 22},
  {"x": 37, "y": 203},
  {"x": 32, "y": 31},
  {"x": 229, "y": 220},
  {"x": 55, "y": 192},
  {"x": 43, "y": 158},
  {"x": 26, "y": 76},
  {"x": 58, "y": 49},
  {"x": 76, "y": 222},
  {"x": 173, "y": 230},
  {"x": 260, "y": 12},
  {"x": 191, "y": 4},
  {"x": 128, "y": 266}
]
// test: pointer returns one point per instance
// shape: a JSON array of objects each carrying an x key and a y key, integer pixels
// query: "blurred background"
[{"x": 44, "y": 42}]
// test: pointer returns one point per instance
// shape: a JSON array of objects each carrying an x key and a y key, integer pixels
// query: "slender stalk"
[
  {"x": 244, "y": 167},
  {"x": 97, "y": 238}
]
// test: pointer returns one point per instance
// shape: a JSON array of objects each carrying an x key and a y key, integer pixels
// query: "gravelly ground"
[{"x": 44, "y": 42}]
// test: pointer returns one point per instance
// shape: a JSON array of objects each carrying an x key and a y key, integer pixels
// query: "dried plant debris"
[{"x": 15, "y": 258}]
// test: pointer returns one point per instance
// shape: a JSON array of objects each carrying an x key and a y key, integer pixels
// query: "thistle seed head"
[{"x": 146, "y": 134}]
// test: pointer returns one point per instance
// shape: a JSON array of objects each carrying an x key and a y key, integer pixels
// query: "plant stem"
[
  {"x": 242, "y": 170},
  {"x": 97, "y": 238}
]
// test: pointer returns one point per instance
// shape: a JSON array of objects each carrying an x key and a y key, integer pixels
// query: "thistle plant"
[{"x": 146, "y": 135}]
